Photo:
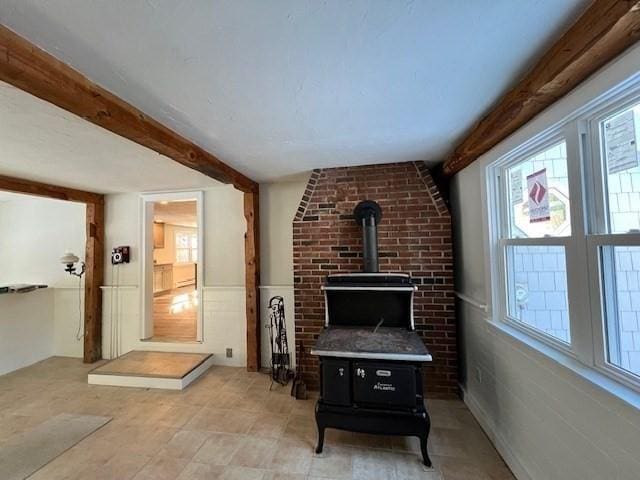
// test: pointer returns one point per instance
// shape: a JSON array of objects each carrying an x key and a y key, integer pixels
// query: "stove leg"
[
  {"x": 423, "y": 441},
  {"x": 320, "y": 439},
  {"x": 320, "y": 423},
  {"x": 425, "y": 455}
]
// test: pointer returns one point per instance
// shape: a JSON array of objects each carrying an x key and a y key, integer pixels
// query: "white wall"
[
  {"x": 548, "y": 420},
  {"x": 26, "y": 329},
  {"x": 35, "y": 232},
  {"x": 278, "y": 205}
]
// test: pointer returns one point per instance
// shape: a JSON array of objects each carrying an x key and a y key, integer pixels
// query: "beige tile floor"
[{"x": 227, "y": 426}]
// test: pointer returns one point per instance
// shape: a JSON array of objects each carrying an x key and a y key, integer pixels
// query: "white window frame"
[
  {"x": 587, "y": 194},
  {"x": 600, "y": 237},
  {"x": 501, "y": 202}
]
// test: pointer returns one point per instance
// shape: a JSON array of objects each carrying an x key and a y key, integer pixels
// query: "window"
[
  {"x": 543, "y": 174},
  {"x": 566, "y": 236},
  {"x": 536, "y": 187},
  {"x": 537, "y": 289},
  {"x": 622, "y": 306},
  {"x": 619, "y": 134},
  {"x": 616, "y": 228},
  {"x": 186, "y": 247}
]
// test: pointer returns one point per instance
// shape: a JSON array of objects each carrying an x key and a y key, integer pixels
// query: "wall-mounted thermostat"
[{"x": 120, "y": 255}]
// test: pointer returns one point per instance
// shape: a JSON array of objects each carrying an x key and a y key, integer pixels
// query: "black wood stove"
[{"x": 370, "y": 356}]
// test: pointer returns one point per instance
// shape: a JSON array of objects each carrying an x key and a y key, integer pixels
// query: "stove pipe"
[{"x": 368, "y": 214}]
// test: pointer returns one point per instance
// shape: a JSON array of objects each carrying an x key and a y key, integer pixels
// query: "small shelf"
[{"x": 20, "y": 288}]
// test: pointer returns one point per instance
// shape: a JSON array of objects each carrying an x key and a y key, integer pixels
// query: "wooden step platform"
[{"x": 144, "y": 369}]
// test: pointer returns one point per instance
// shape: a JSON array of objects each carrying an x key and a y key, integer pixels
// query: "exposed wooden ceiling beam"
[
  {"x": 29, "y": 187},
  {"x": 605, "y": 30},
  {"x": 31, "y": 69}
]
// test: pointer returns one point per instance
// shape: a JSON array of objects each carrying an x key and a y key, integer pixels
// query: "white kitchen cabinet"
[{"x": 162, "y": 278}]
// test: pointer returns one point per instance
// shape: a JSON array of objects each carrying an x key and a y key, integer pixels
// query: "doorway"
[{"x": 172, "y": 270}]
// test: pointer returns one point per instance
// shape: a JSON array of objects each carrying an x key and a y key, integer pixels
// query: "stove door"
[
  {"x": 389, "y": 385},
  {"x": 336, "y": 381}
]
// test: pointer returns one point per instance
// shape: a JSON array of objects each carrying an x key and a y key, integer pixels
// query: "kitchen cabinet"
[
  {"x": 162, "y": 278},
  {"x": 158, "y": 235}
]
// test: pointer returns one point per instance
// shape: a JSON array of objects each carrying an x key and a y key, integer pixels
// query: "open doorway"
[{"x": 173, "y": 239}]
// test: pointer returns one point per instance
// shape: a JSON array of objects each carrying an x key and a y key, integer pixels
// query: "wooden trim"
[
  {"x": 31, "y": 69},
  {"x": 252, "y": 278},
  {"x": 94, "y": 252},
  {"x": 605, "y": 30},
  {"x": 29, "y": 187},
  {"x": 94, "y": 276}
]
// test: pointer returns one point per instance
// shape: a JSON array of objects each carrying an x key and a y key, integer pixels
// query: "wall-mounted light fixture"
[{"x": 70, "y": 260}]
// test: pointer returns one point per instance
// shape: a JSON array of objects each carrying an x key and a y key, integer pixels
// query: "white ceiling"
[
  {"x": 39, "y": 141},
  {"x": 284, "y": 86}
]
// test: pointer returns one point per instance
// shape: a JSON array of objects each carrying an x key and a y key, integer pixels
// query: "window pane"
[
  {"x": 620, "y": 138},
  {"x": 538, "y": 195},
  {"x": 182, "y": 240},
  {"x": 621, "y": 268},
  {"x": 194, "y": 255},
  {"x": 537, "y": 289},
  {"x": 182, "y": 255}
]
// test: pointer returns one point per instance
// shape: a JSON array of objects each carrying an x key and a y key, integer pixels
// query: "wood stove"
[{"x": 370, "y": 355}]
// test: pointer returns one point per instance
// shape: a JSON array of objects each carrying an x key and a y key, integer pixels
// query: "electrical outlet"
[
  {"x": 478, "y": 375},
  {"x": 229, "y": 352}
]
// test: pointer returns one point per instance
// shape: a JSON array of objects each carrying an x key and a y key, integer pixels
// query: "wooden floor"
[
  {"x": 175, "y": 315},
  {"x": 228, "y": 425},
  {"x": 153, "y": 364}
]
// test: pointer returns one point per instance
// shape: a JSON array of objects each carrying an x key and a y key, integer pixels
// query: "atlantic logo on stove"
[{"x": 385, "y": 387}]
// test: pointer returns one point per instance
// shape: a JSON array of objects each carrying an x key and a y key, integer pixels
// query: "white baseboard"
[
  {"x": 487, "y": 424},
  {"x": 151, "y": 382}
]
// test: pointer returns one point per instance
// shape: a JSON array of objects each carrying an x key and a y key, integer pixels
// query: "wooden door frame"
[{"x": 94, "y": 252}]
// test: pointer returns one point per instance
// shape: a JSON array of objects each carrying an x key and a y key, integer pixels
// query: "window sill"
[{"x": 550, "y": 354}]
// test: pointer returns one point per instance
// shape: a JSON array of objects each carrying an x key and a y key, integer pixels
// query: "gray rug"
[{"x": 24, "y": 453}]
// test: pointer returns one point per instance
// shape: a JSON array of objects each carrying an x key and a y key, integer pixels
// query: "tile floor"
[{"x": 227, "y": 425}]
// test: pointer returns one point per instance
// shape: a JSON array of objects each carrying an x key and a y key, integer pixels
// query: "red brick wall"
[{"x": 414, "y": 237}]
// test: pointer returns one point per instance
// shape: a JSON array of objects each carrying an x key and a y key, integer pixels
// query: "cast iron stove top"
[{"x": 381, "y": 344}]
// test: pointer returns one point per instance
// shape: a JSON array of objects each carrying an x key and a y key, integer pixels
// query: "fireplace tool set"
[{"x": 280, "y": 359}]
